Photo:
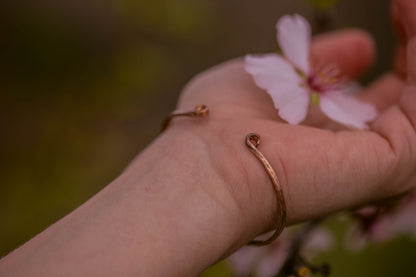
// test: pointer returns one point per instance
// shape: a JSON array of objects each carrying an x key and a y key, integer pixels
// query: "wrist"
[
  {"x": 188, "y": 200},
  {"x": 201, "y": 218},
  {"x": 168, "y": 207},
  {"x": 244, "y": 180}
]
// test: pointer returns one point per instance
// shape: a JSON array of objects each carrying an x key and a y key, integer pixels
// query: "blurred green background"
[{"x": 84, "y": 86}]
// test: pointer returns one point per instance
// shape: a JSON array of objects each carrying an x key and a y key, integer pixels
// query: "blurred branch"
[
  {"x": 295, "y": 264},
  {"x": 322, "y": 16}
]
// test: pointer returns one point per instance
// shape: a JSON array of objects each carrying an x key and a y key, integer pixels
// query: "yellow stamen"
[{"x": 304, "y": 272}]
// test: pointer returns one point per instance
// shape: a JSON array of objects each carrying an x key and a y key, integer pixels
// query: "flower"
[
  {"x": 263, "y": 261},
  {"x": 293, "y": 83},
  {"x": 399, "y": 220},
  {"x": 379, "y": 224},
  {"x": 268, "y": 260}
]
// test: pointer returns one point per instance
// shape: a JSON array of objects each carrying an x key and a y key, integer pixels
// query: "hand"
[{"x": 321, "y": 170}]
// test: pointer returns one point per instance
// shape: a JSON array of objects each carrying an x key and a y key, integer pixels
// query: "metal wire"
[
  {"x": 252, "y": 142},
  {"x": 199, "y": 111}
]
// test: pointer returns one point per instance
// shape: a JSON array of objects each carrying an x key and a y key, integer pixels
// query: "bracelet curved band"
[{"x": 252, "y": 142}]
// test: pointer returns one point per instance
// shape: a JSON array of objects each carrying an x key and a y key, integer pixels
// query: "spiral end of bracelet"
[{"x": 201, "y": 111}]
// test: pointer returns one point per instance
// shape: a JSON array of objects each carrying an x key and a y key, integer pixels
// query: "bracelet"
[
  {"x": 252, "y": 142},
  {"x": 199, "y": 111}
]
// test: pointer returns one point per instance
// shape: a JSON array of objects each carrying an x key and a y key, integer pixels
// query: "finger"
[
  {"x": 384, "y": 92},
  {"x": 407, "y": 11},
  {"x": 400, "y": 53},
  {"x": 397, "y": 124},
  {"x": 411, "y": 60},
  {"x": 397, "y": 23},
  {"x": 400, "y": 60},
  {"x": 407, "y": 105},
  {"x": 352, "y": 51}
]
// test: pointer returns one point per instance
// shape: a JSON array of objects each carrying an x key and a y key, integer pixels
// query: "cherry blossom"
[
  {"x": 379, "y": 224},
  {"x": 268, "y": 260},
  {"x": 292, "y": 82}
]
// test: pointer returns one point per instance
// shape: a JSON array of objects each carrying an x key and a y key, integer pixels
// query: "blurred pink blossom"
[
  {"x": 267, "y": 261},
  {"x": 292, "y": 82},
  {"x": 379, "y": 224}
]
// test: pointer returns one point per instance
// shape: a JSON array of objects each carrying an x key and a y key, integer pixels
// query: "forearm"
[{"x": 168, "y": 214}]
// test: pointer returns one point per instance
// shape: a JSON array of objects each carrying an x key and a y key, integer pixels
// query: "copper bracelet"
[
  {"x": 252, "y": 142},
  {"x": 199, "y": 111}
]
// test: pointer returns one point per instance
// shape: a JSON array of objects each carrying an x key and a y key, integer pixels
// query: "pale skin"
[{"x": 196, "y": 194}]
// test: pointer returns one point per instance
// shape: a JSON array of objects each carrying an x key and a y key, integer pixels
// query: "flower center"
[{"x": 324, "y": 80}]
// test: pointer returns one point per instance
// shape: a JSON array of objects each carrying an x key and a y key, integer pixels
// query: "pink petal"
[
  {"x": 355, "y": 240},
  {"x": 347, "y": 109},
  {"x": 292, "y": 100},
  {"x": 319, "y": 241},
  {"x": 274, "y": 74},
  {"x": 276, "y": 256},
  {"x": 273, "y": 263},
  {"x": 401, "y": 220},
  {"x": 245, "y": 260},
  {"x": 270, "y": 70},
  {"x": 293, "y": 36}
]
